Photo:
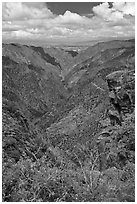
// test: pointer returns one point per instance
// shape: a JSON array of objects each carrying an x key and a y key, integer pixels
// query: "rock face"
[
  {"x": 121, "y": 86},
  {"x": 120, "y": 129}
]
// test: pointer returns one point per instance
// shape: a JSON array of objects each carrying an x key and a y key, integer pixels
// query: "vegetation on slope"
[{"x": 69, "y": 143}]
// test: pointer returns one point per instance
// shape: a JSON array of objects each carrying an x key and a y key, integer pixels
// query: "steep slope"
[
  {"x": 82, "y": 95},
  {"x": 58, "y": 57},
  {"x": 89, "y": 97},
  {"x": 102, "y": 46},
  {"x": 109, "y": 59},
  {"x": 31, "y": 79},
  {"x": 68, "y": 122}
]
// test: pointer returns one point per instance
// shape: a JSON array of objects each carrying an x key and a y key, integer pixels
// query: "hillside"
[{"x": 68, "y": 117}]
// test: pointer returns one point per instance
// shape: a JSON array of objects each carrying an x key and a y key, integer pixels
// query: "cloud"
[
  {"x": 24, "y": 11},
  {"x": 70, "y": 17},
  {"x": 117, "y": 12},
  {"x": 127, "y": 8},
  {"x": 29, "y": 20}
]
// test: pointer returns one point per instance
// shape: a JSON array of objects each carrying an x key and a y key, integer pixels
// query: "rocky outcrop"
[
  {"x": 117, "y": 139},
  {"x": 121, "y": 86}
]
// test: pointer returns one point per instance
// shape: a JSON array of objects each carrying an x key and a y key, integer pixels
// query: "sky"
[{"x": 67, "y": 22}]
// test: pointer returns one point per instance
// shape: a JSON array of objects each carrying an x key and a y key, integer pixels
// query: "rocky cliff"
[{"x": 118, "y": 127}]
